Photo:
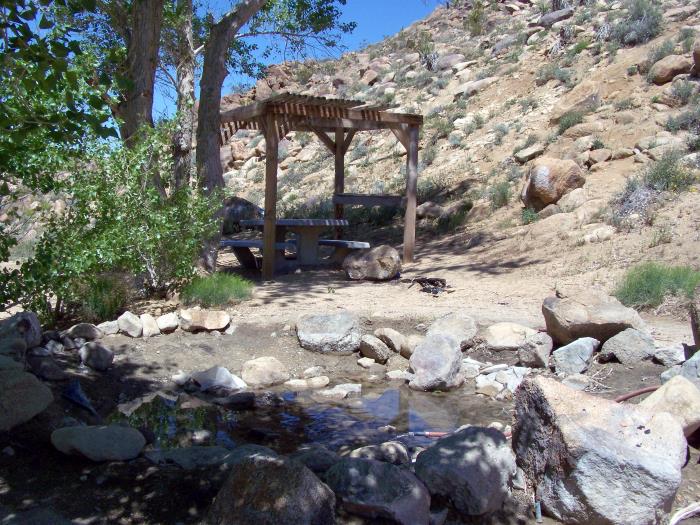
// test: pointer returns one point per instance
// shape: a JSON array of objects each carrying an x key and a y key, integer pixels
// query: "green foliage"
[
  {"x": 529, "y": 216},
  {"x": 682, "y": 91},
  {"x": 117, "y": 221},
  {"x": 500, "y": 131},
  {"x": 449, "y": 222},
  {"x": 219, "y": 289},
  {"x": 101, "y": 298},
  {"x": 499, "y": 194},
  {"x": 686, "y": 37},
  {"x": 554, "y": 71},
  {"x": 643, "y": 22},
  {"x": 668, "y": 174},
  {"x": 688, "y": 120},
  {"x": 476, "y": 19},
  {"x": 531, "y": 140},
  {"x": 569, "y": 120},
  {"x": 527, "y": 104},
  {"x": 656, "y": 53},
  {"x": 579, "y": 47},
  {"x": 623, "y": 104},
  {"x": 597, "y": 143},
  {"x": 647, "y": 284}
]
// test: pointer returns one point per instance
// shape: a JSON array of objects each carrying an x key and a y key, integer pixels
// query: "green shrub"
[
  {"x": 499, "y": 195},
  {"x": 643, "y": 22},
  {"x": 683, "y": 91},
  {"x": 476, "y": 19},
  {"x": 688, "y": 120},
  {"x": 529, "y": 216},
  {"x": 554, "y": 71},
  {"x": 218, "y": 289},
  {"x": 646, "y": 285},
  {"x": 624, "y": 104},
  {"x": 531, "y": 140},
  {"x": 657, "y": 53},
  {"x": 500, "y": 131},
  {"x": 569, "y": 120},
  {"x": 450, "y": 222},
  {"x": 102, "y": 298},
  {"x": 597, "y": 143},
  {"x": 668, "y": 174},
  {"x": 527, "y": 104}
]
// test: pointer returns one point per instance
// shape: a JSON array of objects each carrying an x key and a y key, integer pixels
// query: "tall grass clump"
[
  {"x": 102, "y": 298},
  {"x": 499, "y": 195},
  {"x": 569, "y": 120},
  {"x": 668, "y": 174},
  {"x": 647, "y": 284},
  {"x": 218, "y": 289},
  {"x": 643, "y": 22}
]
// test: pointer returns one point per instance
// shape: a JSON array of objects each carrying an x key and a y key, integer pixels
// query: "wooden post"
[
  {"x": 339, "y": 174},
  {"x": 271, "y": 144},
  {"x": 409, "y": 227},
  {"x": 695, "y": 318}
]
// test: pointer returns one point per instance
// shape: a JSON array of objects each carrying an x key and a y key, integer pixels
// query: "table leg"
[{"x": 307, "y": 245}]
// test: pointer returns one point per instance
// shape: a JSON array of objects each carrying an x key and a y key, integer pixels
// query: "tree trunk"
[
  {"x": 182, "y": 139},
  {"x": 143, "y": 41},
  {"x": 209, "y": 170}
]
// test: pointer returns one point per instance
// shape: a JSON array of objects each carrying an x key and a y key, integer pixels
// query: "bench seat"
[
  {"x": 339, "y": 243},
  {"x": 255, "y": 243},
  {"x": 241, "y": 249}
]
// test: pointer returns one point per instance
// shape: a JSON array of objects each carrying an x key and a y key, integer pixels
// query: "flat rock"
[
  {"x": 393, "y": 452},
  {"x": 337, "y": 333},
  {"x": 670, "y": 355},
  {"x": 380, "y": 263},
  {"x": 680, "y": 398},
  {"x": 150, "y": 325},
  {"x": 87, "y": 331},
  {"x": 264, "y": 372},
  {"x": 339, "y": 392},
  {"x": 529, "y": 153},
  {"x": 130, "y": 324},
  {"x": 501, "y": 337},
  {"x": 630, "y": 347},
  {"x": 311, "y": 383},
  {"x": 590, "y": 457},
  {"x": 373, "y": 348},
  {"x": 374, "y": 489},
  {"x": 194, "y": 320},
  {"x": 109, "y": 327},
  {"x": 458, "y": 327},
  {"x": 23, "y": 397},
  {"x": 99, "y": 443},
  {"x": 575, "y": 357},
  {"x": 436, "y": 363}
]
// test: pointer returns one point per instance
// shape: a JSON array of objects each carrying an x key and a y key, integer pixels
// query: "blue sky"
[{"x": 375, "y": 20}]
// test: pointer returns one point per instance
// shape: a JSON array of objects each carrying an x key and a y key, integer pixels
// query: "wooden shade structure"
[{"x": 335, "y": 122}]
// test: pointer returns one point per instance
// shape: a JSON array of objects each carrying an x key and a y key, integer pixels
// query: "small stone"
[
  {"x": 575, "y": 357},
  {"x": 670, "y": 355},
  {"x": 365, "y": 362},
  {"x": 312, "y": 371},
  {"x": 311, "y": 383},
  {"x": 341, "y": 391},
  {"x": 374, "y": 348}
]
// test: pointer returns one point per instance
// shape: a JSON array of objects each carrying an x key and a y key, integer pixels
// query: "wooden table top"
[{"x": 297, "y": 222}]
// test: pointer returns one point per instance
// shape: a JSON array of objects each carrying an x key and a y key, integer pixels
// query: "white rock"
[
  {"x": 150, "y": 326},
  {"x": 130, "y": 324},
  {"x": 168, "y": 323},
  {"x": 109, "y": 327}
]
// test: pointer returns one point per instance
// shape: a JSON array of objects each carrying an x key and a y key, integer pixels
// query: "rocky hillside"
[{"x": 540, "y": 126}]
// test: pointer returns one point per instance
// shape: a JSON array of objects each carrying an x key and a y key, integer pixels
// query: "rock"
[
  {"x": 504, "y": 43},
  {"x": 168, "y": 323},
  {"x": 46, "y": 368},
  {"x": 218, "y": 377},
  {"x": 488, "y": 386},
  {"x": 430, "y": 210},
  {"x": 99, "y": 443},
  {"x": 399, "y": 375},
  {"x": 370, "y": 77},
  {"x": 622, "y": 153},
  {"x": 264, "y": 372},
  {"x": 191, "y": 458},
  {"x": 436, "y": 363},
  {"x": 599, "y": 155},
  {"x": 584, "y": 97},
  {"x": 448, "y": 61},
  {"x": 590, "y": 457},
  {"x": 311, "y": 383},
  {"x": 130, "y": 324},
  {"x": 472, "y": 468},
  {"x": 534, "y": 351},
  {"x": 690, "y": 369},
  {"x": 312, "y": 371},
  {"x": 109, "y": 327},
  {"x": 529, "y": 153},
  {"x": 695, "y": 71},
  {"x": 549, "y": 180},
  {"x": 393, "y": 452},
  {"x": 23, "y": 397},
  {"x": 577, "y": 381},
  {"x": 458, "y": 327},
  {"x": 394, "y": 340},
  {"x": 272, "y": 490},
  {"x": 668, "y": 68},
  {"x": 237, "y": 209},
  {"x": 680, "y": 398},
  {"x": 506, "y": 336},
  {"x": 380, "y": 263},
  {"x": 365, "y": 362},
  {"x": 549, "y": 19},
  {"x": 680, "y": 13},
  {"x": 336, "y": 333},
  {"x": 585, "y": 129},
  {"x": 317, "y": 458},
  {"x": 237, "y": 401},
  {"x": 694, "y": 311},
  {"x": 7, "y": 363},
  {"x": 670, "y": 355},
  {"x": 194, "y": 320},
  {"x": 85, "y": 331},
  {"x": 339, "y": 392},
  {"x": 150, "y": 325},
  {"x": 575, "y": 357},
  {"x": 572, "y": 200},
  {"x": 474, "y": 86},
  {"x": 630, "y": 347},
  {"x": 96, "y": 356},
  {"x": 396, "y": 362},
  {"x": 22, "y": 325},
  {"x": 374, "y": 348},
  {"x": 587, "y": 313},
  {"x": 380, "y": 490}
]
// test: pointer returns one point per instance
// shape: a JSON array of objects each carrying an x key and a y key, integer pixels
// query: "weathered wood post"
[
  {"x": 271, "y": 145},
  {"x": 339, "y": 174},
  {"x": 409, "y": 231},
  {"x": 695, "y": 317}
]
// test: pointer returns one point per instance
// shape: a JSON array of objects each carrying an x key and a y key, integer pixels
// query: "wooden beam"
[
  {"x": 367, "y": 200},
  {"x": 325, "y": 139},
  {"x": 331, "y": 124},
  {"x": 334, "y": 112},
  {"x": 249, "y": 112},
  {"x": 409, "y": 227},
  {"x": 339, "y": 174},
  {"x": 402, "y": 136},
  {"x": 348, "y": 141},
  {"x": 269, "y": 227}
]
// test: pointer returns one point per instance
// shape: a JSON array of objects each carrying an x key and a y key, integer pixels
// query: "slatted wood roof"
[{"x": 294, "y": 112}]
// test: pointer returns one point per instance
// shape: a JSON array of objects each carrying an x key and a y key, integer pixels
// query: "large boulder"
[
  {"x": 575, "y": 357},
  {"x": 669, "y": 68},
  {"x": 549, "y": 180},
  {"x": 266, "y": 489},
  {"x": 458, "y": 327},
  {"x": 22, "y": 325},
  {"x": 592, "y": 460},
  {"x": 436, "y": 363},
  {"x": 587, "y": 313},
  {"x": 505, "y": 336},
  {"x": 196, "y": 320},
  {"x": 86, "y": 331},
  {"x": 680, "y": 398},
  {"x": 99, "y": 443},
  {"x": 584, "y": 97},
  {"x": 393, "y": 452},
  {"x": 535, "y": 350},
  {"x": 630, "y": 347},
  {"x": 23, "y": 397},
  {"x": 237, "y": 209},
  {"x": 380, "y": 263},
  {"x": 472, "y": 468},
  {"x": 264, "y": 372},
  {"x": 375, "y": 489},
  {"x": 150, "y": 325},
  {"x": 549, "y": 19},
  {"x": 335, "y": 333}
]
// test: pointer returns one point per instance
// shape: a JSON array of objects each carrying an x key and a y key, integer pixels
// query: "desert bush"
[
  {"x": 429, "y": 154},
  {"x": 668, "y": 174},
  {"x": 623, "y": 104},
  {"x": 647, "y": 284},
  {"x": 554, "y": 71},
  {"x": 500, "y": 131},
  {"x": 643, "y": 22},
  {"x": 499, "y": 195},
  {"x": 101, "y": 298},
  {"x": 218, "y": 289},
  {"x": 528, "y": 216},
  {"x": 450, "y": 222},
  {"x": 656, "y": 53},
  {"x": 597, "y": 143},
  {"x": 531, "y": 140},
  {"x": 683, "y": 91},
  {"x": 528, "y": 103},
  {"x": 569, "y": 120},
  {"x": 476, "y": 19},
  {"x": 688, "y": 120},
  {"x": 686, "y": 37}
]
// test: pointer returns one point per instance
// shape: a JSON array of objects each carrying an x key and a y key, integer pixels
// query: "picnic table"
[{"x": 307, "y": 232}]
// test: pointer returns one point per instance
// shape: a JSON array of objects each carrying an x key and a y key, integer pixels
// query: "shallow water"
[{"x": 289, "y": 420}]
